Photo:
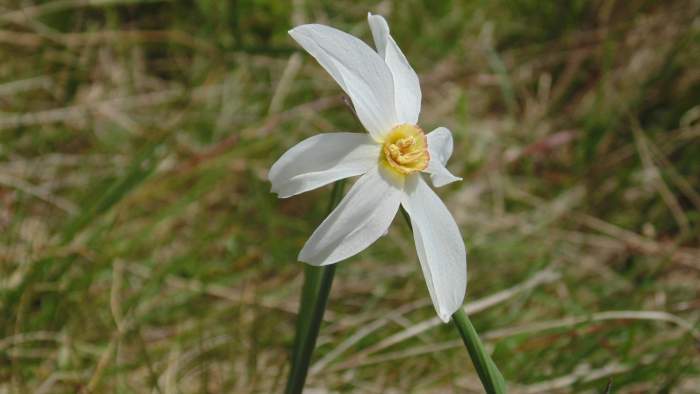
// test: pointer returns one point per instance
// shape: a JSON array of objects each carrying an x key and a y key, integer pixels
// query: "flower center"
[{"x": 406, "y": 149}]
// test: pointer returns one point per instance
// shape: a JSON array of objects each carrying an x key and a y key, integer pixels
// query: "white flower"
[{"x": 386, "y": 95}]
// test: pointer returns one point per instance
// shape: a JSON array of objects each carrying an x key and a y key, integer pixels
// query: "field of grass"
[{"x": 141, "y": 250}]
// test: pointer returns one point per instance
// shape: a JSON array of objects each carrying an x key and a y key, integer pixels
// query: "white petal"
[
  {"x": 322, "y": 159},
  {"x": 358, "y": 69},
  {"x": 380, "y": 32},
  {"x": 440, "y": 148},
  {"x": 361, "y": 218},
  {"x": 407, "y": 93},
  {"x": 439, "y": 244}
]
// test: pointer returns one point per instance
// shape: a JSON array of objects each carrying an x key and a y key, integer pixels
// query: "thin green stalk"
[
  {"x": 307, "y": 343},
  {"x": 314, "y": 296},
  {"x": 490, "y": 376},
  {"x": 312, "y": 279}
]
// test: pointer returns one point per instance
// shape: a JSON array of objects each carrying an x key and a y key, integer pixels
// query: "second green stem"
[{"x": 314, "y": 297}]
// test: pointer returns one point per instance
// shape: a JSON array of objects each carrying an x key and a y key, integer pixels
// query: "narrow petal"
[
  {"x": 407, "y": 93},
  {"x": 440, "y": 148},
  {"x": 362, "y": 74},
  {"x": 322, "y": 159},
  {"x": 363, "y": 215},
  {"x": 439, "y": 244}
]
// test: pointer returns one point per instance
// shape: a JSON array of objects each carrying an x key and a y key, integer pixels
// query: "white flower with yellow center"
[{"x": 390, "y": 161}]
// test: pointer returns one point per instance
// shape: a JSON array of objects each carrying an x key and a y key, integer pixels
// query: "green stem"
[
  {"x": 307, "y": 342},
  {"x": 312, "y": 279},
  {"x": 314, "y": 297},
  {"x": 490, "y": 376}
]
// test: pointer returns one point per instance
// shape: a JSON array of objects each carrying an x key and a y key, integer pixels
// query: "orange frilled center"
[{"x": 405, "y": 149}]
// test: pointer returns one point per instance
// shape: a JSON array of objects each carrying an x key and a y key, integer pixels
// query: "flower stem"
[
  {"x": 490, "y": 376},
  {"x": 314, "y": 296}
]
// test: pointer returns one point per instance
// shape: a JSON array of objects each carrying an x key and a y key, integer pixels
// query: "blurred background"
[{"x": 141, "y": 250}]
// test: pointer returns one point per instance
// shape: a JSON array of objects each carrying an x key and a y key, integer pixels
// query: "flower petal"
[
  {"x": 440, "y": 148},
  {"x": 361, "y": 218},
  {"x": 358, "y": 69},
  {"x": 439, "y": 244},
  {"x": 407, "y": 93},
  {"x": 322, "y": 159}
]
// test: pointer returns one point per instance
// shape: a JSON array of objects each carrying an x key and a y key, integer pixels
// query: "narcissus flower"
[{"x": 391, "y": 160}]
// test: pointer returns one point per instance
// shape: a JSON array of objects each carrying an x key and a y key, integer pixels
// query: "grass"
[{"x": 141, "y": 250}]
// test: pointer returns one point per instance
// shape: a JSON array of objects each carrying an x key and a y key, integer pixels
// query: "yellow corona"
[{"x": 405, "y": 149}]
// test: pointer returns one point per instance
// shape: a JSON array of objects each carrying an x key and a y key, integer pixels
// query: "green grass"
[{"x": 141, "y": 249}]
